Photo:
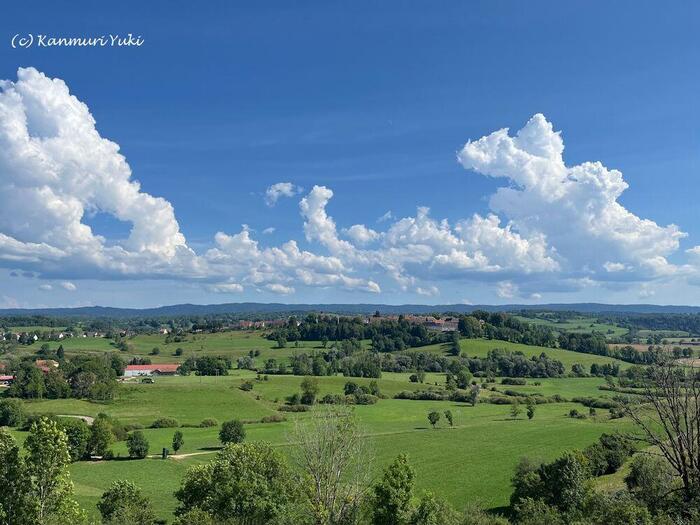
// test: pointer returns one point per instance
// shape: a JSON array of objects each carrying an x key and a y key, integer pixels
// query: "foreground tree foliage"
[
  {"x": 392, "y": 496},
  {"x": 332, "y": 455},
  {"x": 669, "y": 420},
  {"x": 35, "y": 488},
  {"x": 249, "y": 482},
  {"x": 124, "y": 503}
]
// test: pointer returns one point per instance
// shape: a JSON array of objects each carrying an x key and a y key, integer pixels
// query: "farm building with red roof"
[{"x": 148, "y": 370}]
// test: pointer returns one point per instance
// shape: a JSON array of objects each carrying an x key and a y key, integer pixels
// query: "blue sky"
[{"x": 372, "y": 102}]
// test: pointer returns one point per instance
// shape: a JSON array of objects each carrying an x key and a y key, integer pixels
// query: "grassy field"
[
  {"x": 578, "y": 325},
  {"x": 473, "y": 461},
  {"x": 481, "y": 347},
  {"x": 232, "y": 344}
]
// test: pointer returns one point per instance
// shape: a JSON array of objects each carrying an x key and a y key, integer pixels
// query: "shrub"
[
  {"x": 137, "y": 445},
  {"x": 593, "y": 402},
  {"x": 12, "y": 413},
  {"x": 274, "y": 418},
  {"x": 246, "y": 386},
  {"x": 133, "y": 426},
  {"x": 209, "y": 422},
  {"x": 365, "y": 399},
  {"x": 165, "y": 422},
  {"x": 294, "y": 408}
]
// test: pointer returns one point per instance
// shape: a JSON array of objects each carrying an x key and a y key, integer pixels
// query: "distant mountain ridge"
[{"x": 267, "y": 308}]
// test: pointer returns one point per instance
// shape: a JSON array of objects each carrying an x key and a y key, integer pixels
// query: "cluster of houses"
[
  {"x": 448, "y": 324},
  {"x": 49, "y": 336},
  {"x": 45, "y": 365}
]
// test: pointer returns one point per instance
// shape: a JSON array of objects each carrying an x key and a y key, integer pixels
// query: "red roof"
[
  {"x": 6, "y": 378},
  {"x": 153, "y": 368}
]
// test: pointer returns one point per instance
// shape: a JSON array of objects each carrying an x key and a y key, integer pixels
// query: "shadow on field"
[{"x": 210, "y": 448}]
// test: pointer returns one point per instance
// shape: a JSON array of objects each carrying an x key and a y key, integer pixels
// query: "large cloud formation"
[
  {"x": 575, "y": 207},
  {"x": 551, "y": 226}
]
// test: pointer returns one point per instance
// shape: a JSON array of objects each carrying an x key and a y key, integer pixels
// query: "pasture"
[{"x": 472, "y": 461}]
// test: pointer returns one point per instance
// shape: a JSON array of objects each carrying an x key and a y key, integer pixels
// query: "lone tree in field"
[
  {"x": 309, "y": 390},
  {"x": 530, "y": 409},
  {"x": 137, "y": 444},
  {"x": 448, "y": 417},
  {"x": 232, "y": 432},
  {"x": 668, "y": 418},
  {"x": 332, "y": 455},
  {"x": 433, "y": 417},
  {"x": 178, "y": 440},
  {"x": 473, "y": 396},
  {"x": 515, "y": 410}
]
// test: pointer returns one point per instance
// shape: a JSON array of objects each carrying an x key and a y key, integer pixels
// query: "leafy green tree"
[
  {"x": 536, "y": 512},
  {"x": 232, "y": 432},
  {"x": 47, "y": 465},
  {"x": 178, "y": 440},
  {"x": 28, "y": 382},
  {"x": 392, "y": 495},
  {"x": 651, "y": 480},
  {"x": 61, "y": 353},
  {"x": 433, "y": 418},
  {"x": 137, "y": 444},
  {"x": 101, "y": 436},
  {"x": 246, "y": 481},
  {"x": 17, "y": 507},
  {"x": 530, "y": 409},
  {"x": 123, "y": 502},
  {"x": 12, "y": 412},
  {"x": 473, "y": 396},
  {"x": 515, "y": 410},
  {"x": 78, "y": 434},
  {"x": 449, "y": 417},
  {"x": 434, "y": 511},
  {"x": 309, "y": 390}
]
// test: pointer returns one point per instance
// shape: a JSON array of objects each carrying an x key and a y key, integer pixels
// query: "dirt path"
[{"x": 87, "y": 419}]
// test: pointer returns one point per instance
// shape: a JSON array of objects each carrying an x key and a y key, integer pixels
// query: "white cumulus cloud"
[{"x": 280, "y": 189}]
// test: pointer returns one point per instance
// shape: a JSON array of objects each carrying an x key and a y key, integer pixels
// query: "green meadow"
[{"x": 472, "y": 461}]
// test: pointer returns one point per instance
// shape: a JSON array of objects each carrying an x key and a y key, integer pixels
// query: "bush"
[
  {"x": 365, "y": 399},
  {"x": 274, "y": 418},
  {"x": 513, "y": 381},
  {"x": 593, "y": 402},
  {"x": 294, "y": 408},
  {"x": 232, "y": 432},
  {"x": 246, "y": 386},
  {"x": 133, "y": 426},
  {"x": 12, "y": 413},
  {"x": 165, "y": 422},
  {"x": 137, "y": 445},
  {"x": 209, "y": 422}
]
